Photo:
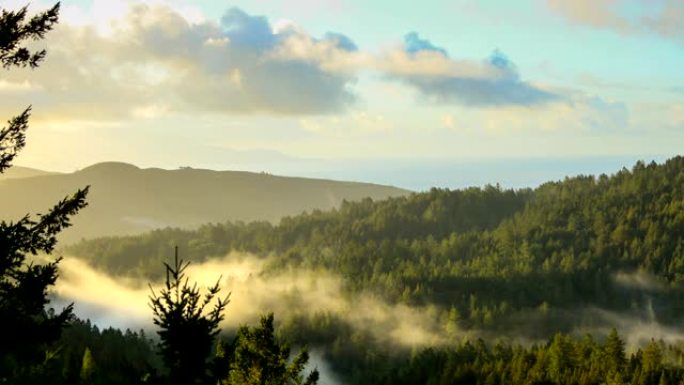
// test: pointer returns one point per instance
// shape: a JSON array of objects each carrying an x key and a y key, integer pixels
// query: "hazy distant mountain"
[
  {"x": 125, "y": 199},
  {"x": 16, "y": 172}
]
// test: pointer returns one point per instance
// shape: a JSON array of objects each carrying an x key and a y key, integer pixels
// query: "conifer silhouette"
[
  {"x": 28, "y": 328},
  {"x": 189, "y": 324}
]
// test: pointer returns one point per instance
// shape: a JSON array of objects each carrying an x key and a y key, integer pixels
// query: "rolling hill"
[
  {"x": 125, "y": 199},
  {"x": 18, "y": 172}
]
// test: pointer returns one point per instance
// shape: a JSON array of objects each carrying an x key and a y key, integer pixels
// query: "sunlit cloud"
[
  {"x": 661, "y": 17},
  {"x": 425, "y": 67},
  {"x": 493, "y": 82},
  {"x": 157, "y": 57},
  {"x": 151, "y": 55}
]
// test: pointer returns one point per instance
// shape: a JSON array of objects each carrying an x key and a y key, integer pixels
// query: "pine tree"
[
  {"x": 561, "y": 357},
  {"x": 651, "y": 362},
  {"x": 615, "y": 352},
  {"x": 87, "y": 366},
  {"x": 452, "y": 322},
  {"x": 258, "y": 358},
  {"x": 28, "y": 329},
  {"x": 188, "y": 330}
]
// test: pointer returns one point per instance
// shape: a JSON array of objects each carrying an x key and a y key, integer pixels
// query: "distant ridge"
[
  {"x": 127, "y": 200},
  {"x": 110, "y": 167},
  {"x": 17, "y": 172}
]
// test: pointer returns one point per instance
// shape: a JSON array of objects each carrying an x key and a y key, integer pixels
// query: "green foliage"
[
  {"x": 508, "y": 263},
  {"x": 347, "y": 229},
  {"x": 120, "y": 357},
  {"x": 527, "y": 258},
  {"x": 188, "y": 329},
  {"x": 258, "y": 358},
  {"x": 87, "y": 366},
  {"x": 562, "y": 360},
  {"x": 614, "y": 352}
]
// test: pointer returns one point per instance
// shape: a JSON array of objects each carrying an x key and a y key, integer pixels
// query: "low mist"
[{"x": 123, "y": 302}]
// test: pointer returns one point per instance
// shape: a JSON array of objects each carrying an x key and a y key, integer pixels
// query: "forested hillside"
[
  {"x": 112, "y": 357},
  {"x": 487, "y": 252},
  {"x": 584, "y": 254}
]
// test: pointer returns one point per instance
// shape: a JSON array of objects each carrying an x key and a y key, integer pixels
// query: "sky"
[{"x": 444, "y": 93}]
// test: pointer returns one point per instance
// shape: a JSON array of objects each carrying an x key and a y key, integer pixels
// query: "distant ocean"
[{"x": 422, "y": 174}]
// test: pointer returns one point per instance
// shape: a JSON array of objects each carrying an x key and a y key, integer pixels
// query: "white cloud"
[{"x": 152, "y": 55}]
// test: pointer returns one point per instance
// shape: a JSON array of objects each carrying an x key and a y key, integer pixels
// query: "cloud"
[
  {"x": 575, "y": 112},
  {"x": 638, "y": 327},
  {"x": 156, "y": 61},
  {"x": 414, "y": 44},
  {"x": 639, "y": 280},
  {"x": 339, "y": 54},
  {"x": 661, "y": 17},
  {"x": 341, "y": 41},
  {"x": 494, "y": 82},
  {"x": 596, "y": 13},
  {"x": 153, "y": 62},
  {"x": 658, "y": 115},
  {"x": 335, "y": 53}
]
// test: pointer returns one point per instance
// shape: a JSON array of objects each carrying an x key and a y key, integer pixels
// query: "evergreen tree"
[
  {"x": 651, "y": 363},
  {"x": 258, "y": 358},
  {"x": 615, "y": 352},
  {"x": 188, "y": 330},
  {"x": 15, "y": 30},
  {"x": 28, "y": 329},
  {"x": 87, "y": 366},
  {"x": 452, "y": 322}
]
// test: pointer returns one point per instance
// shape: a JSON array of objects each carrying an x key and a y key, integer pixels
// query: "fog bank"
[{"x": 123, "y": 302}]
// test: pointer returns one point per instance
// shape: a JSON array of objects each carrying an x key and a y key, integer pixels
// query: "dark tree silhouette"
[
  {"x": 28, "y": 329},
  {"x": 15, "y": 29},
  {"x": 188, "y": 328}
]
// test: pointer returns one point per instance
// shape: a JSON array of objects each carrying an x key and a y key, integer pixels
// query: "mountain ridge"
[
  {"x": 18, "y": 172},
  {"x": 127, "y": 200}
]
